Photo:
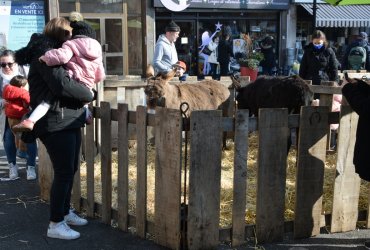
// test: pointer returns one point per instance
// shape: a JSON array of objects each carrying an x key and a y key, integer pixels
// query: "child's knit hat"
[{"x": 83, "y": 29}]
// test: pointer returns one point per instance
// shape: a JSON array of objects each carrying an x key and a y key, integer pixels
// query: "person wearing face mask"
[
  {"x": 319, "y": 62},
  {"x": 9, "y": 69}
]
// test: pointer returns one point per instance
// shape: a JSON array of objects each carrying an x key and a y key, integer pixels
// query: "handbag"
[{"x": 206, "y": 51}]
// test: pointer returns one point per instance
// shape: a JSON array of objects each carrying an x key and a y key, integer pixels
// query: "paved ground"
[{"x": 24, "y": 218}]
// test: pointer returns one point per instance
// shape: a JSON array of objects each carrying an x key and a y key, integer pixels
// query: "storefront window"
[
  {"x": 66, "y": 6},
  {"x": 102, "y": 6},
  {"x": 134, "y": 45}
]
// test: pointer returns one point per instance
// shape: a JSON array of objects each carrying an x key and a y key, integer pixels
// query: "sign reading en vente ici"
[{"x": 180, "y": 5}]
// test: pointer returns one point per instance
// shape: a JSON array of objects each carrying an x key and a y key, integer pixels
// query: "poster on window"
[{"x": 19, "y": 20}]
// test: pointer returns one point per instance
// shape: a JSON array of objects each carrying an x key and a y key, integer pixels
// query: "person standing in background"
[
  {"x": 9, "y": 69},
  {"x": 357, "y": 55},
  {"x": 225, "y": 51},
  {"x": 165, "y": 53},
  {"x": 213, "y": 57},
  {"x": 319, "y": 62},
  {"x": 268, "y": 50}
]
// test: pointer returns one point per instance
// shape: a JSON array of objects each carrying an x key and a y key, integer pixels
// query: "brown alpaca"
[{"x": 204, "y": 95}]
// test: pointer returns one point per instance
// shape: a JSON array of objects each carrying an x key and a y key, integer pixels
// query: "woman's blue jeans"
[{"x": 11, "y": 150}]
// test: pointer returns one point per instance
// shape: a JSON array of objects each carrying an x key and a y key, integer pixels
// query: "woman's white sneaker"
[
  {"x": 74, "y": 220},
  {"x": 62, "y": 231}
]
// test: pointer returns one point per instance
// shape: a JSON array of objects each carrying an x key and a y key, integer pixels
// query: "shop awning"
[{"x": 340, "y": 16}]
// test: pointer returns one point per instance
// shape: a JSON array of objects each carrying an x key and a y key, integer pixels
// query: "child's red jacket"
[{"x": 18, "y": 101}]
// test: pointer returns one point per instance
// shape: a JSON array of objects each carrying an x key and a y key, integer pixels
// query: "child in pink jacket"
[{"x": 82, "y": 56}]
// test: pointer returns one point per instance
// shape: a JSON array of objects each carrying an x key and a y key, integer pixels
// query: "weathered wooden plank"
[
  {"x": 325, "y": 89},
  {"x": 347, "y": 182},
  {"x": 45, "y": 172},
  {"x": 90, "y": 156},
  {"x": 168, "y": 127},
  {"x": 240, "y": 177},
  {"x": 310, "y": 170},
  {"x": 106, "y": 162},
  {"x": 204, "y": 179},
  {"x": 122, "y": 145},
  {"x": 141, "y": 187},
  {"x": 271, "y": 175}
]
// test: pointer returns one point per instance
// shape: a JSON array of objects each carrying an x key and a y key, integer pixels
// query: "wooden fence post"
[
  {"x": 204, "y": 179},
  {"x": 122, "y": 178},
  {"x": 168, "y": 128},
  {"x": 45, "y": 172},
  {"x": 240, "y": 177},
  {"x": 141, "y": 187},
  {"x": 90, "y": 170},
  {"x": 347, "y": 182},
  {"x": 106, "y": 162},
  {"x": 271, "y": 176},
  {"x": 310, "y": 170}
]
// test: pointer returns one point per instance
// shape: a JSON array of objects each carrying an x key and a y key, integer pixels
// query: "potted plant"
[{"x": 249, "y": 64}]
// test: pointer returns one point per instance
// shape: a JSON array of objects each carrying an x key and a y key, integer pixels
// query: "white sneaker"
[
  {"x": 13, "y": 171},
  {"x": 74, "y": 220},
  {"x": 62, "y": 231},
  {"x": 31, "y": 173}
]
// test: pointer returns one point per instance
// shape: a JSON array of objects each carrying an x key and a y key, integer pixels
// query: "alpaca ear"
[
  {"x": 169, "y": 75},
  {"x": 149, "y": 71}
]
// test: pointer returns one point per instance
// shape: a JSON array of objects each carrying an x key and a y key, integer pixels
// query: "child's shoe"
[
  {"x": 89, "y": 116},
  {"x": 24, "y": 126},
  {"x": 31, "y": 173},
  {"x": 13, "y": 171}
]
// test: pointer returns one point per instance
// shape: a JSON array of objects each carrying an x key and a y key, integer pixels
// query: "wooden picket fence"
[{"x": 202, "y": 213}]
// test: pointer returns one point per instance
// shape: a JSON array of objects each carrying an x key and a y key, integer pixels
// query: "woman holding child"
[{"x": 60, "y": 128}]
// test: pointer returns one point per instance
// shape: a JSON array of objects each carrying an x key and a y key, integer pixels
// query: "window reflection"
[
  {"x": 134, "y": 45},
  {"x": 113, "y": 35},
  {"x": 114, "y": 65}
]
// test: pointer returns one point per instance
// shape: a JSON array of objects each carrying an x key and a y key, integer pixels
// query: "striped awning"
[{"x": 340, "y": 16}]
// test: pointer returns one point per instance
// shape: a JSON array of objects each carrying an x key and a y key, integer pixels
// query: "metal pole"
[{"x": 314, "y": 8}]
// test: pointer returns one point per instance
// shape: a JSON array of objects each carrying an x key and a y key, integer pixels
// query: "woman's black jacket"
[
  {"x": 52, "y": 84},
  {"x": 319, "y": 65}
]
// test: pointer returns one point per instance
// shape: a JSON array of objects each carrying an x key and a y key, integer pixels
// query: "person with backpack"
[{"x": 357, "y": 56}]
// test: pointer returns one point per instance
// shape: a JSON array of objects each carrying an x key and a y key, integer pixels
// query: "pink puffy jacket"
[{"x": 82, "y": 57}]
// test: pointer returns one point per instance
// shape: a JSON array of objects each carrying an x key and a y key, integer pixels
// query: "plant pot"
[
  {"x": 252, "y": 73},
  {"x": 243, "y": 71}
]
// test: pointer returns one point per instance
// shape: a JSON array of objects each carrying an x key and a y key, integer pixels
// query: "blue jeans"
[{"x": 11, "y": 150}]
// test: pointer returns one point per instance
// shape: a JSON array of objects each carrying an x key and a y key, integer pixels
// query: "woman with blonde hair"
[{"x": 60, "y": 129}]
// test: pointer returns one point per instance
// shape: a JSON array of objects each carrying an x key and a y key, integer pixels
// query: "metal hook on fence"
[
  {"x": 315, "y": 117},
  {"x": 184, "y": 107}
]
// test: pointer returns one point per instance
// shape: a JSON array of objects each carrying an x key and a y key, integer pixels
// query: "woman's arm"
[{"x": 61, "y": 85}]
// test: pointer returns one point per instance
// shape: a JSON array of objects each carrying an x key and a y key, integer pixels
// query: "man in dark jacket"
[{"x": 361, "y": 41}]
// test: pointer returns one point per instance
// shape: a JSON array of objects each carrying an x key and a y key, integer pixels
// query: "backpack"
[{"x": 357, "y": 58}]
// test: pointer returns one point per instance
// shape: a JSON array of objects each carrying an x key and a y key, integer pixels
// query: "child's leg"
[{"x": 39, "y": 112}]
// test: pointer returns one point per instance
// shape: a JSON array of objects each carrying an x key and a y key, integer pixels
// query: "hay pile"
[{"x": 226, "y": 183}]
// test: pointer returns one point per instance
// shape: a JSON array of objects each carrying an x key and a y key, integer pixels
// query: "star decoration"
[{"x": 218, "y": 25}]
